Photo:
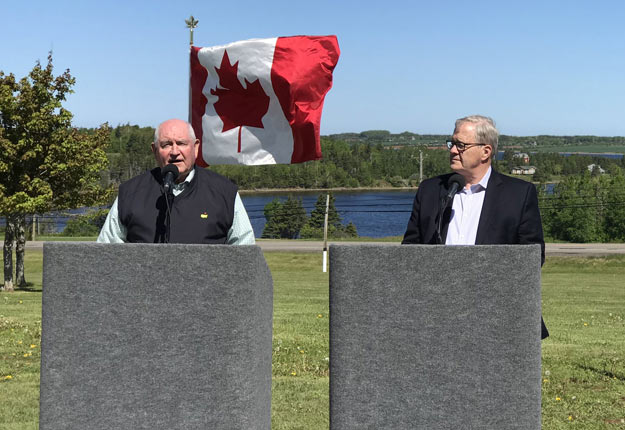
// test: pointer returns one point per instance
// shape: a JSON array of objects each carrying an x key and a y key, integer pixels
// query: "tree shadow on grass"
[{"x": 29, "y": 287}]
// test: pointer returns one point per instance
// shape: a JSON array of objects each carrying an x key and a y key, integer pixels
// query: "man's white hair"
[
  {"x": 157, "y": 132},
  {"x": 485, "y": 130}
]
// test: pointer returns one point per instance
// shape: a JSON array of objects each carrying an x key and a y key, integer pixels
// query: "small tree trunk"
[
  {"x": 20, "y": 248},
  {"x": 8, "y": 255}
]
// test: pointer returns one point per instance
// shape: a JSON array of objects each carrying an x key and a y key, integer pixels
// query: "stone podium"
[
  {"x": 145, "y": 336},
  {"x": 435, "y": 337}
]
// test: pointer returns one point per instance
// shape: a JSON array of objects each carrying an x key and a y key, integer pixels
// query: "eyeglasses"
[{"x": 461, "y": 146}]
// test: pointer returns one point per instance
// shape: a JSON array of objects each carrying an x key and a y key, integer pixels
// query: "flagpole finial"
[{"x": 191, "y": 24}]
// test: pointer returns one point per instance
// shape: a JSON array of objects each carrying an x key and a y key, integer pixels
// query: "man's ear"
[
  {"x": 487, "y": 152},
  {"x": 197, "y": 147}
]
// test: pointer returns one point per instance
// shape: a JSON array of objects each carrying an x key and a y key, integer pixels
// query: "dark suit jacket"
[{"x": 509, "y": 215}]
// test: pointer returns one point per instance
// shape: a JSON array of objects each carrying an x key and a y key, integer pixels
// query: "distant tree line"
[
  {"x": 128, "y": 151},
  {"x": 385, "y": 137},
  {"x": 344, "y": 165},
  {"x": 352, "y": 163}
]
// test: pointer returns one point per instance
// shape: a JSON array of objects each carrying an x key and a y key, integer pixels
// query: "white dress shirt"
[{"x": 465, "y": 213}]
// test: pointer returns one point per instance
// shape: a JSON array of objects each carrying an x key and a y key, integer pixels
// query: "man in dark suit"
[{"x": 490, "y": 209}]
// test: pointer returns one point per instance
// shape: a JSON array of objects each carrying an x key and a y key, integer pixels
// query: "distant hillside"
[{"x": 386, "y": 138}]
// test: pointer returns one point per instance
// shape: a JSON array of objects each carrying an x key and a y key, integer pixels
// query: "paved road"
[{"x": 560, "y": 249}]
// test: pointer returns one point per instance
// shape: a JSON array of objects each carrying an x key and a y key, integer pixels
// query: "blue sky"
[{"x": 536, "y": 67}]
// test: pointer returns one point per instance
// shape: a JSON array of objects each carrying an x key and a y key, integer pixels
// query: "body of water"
[
  {"x": 594, "y": 154},
  {"x": 374, "y": 213}
]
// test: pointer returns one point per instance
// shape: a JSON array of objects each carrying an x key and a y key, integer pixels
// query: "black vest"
[{"x": 202, "y": 213}]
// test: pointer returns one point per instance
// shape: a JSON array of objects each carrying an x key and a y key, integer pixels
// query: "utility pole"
[{"x": 420, "y": 166}]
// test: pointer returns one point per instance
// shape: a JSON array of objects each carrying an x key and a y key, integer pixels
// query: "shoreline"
[{"x": 322, "y": 190}]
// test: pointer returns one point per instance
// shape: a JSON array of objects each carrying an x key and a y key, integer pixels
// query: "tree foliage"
[
  {"x": 44, "y": 163},
  {"x": 88, "y": 224},
  {"x": 585, "y": 208},
  {"x": 358, "y": 160},
  {"x": 288, "y": 220},
  {"x": 284, "y": 219},
  {"x": 614, "y": 213},
  {"x": 315, "y": 226},
  {"x": 128, "y": 152}
]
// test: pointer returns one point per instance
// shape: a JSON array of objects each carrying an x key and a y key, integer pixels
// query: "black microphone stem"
[
  {"x": 169, "y": 197},
  {"x": 169, "y": 174}
]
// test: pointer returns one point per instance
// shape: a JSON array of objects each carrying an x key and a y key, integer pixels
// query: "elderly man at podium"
[
  {"x": 177, "y": 202},
  {"x": 475, "y": 205}
]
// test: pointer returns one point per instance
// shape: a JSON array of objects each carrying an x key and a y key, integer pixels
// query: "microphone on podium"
[
  {"x": 169, "y": 173},
  {"x": 455, "y": 183}
]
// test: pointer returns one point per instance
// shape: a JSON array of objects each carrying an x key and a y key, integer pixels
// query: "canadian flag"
[{"x": 259, "y": 101}]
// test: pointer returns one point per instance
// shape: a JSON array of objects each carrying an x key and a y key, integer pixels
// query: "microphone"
[
  {"x": 169, "y": 173},
  {"x": 454, "y": 183}
]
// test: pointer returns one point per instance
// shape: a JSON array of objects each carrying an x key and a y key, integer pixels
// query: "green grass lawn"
[{"x": 583, "y": 360}]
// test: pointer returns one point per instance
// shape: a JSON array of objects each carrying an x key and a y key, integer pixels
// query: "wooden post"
[{"x": 325, "y": 236}]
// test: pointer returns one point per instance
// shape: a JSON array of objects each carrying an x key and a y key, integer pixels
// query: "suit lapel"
[
  {"x": 488, "y": 207},
  {"x": 446, "y": 213}
]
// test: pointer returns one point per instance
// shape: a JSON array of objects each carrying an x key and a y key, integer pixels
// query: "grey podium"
[
  {"x": 144, "y": 336},
  {"x": 435, "y": 337}
]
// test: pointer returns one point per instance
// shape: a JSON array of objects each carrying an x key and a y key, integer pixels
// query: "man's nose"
[{"x": 175, "y": 150}]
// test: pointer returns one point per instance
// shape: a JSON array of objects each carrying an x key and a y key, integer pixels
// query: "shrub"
[{"x": 88, "y": 224}]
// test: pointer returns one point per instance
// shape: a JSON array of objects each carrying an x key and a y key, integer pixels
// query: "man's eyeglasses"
[{"x": 461, "y": 145}]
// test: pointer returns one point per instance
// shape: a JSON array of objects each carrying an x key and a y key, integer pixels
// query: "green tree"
[
  {"x": 575, "y": 210},
  {"x": 614, "y": 214},
  {"x": 541, "y": 176},
  {"x": 129, "y": 152},
  {"x": 315, "y": 225},
  {"x": 318, "y": 214},
  {"x": 271, "y": 208},
  {"x": 44, "y": 163},
  {"x": 285, "y": 220},
  {"x": 88, "y": 224}
]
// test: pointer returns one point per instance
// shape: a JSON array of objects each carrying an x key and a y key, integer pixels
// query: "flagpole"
[{"x": 191, "y": 24}]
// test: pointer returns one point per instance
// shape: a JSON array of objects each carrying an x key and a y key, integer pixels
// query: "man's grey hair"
[
  {"x": 157, "y": 132},
  {"x": 485, "y": 130}
]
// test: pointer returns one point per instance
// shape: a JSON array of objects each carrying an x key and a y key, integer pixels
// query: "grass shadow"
[{"x": 610, "y": 374}]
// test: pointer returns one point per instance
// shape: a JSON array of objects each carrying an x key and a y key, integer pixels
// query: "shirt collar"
[
  {"x": 482, "y": 185},
  {"x": 484, "y": 181},
  {"x": 181, "y": 186}
]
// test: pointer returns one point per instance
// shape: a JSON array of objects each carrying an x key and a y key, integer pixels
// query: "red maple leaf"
[{"x": 238, "y": 106}]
